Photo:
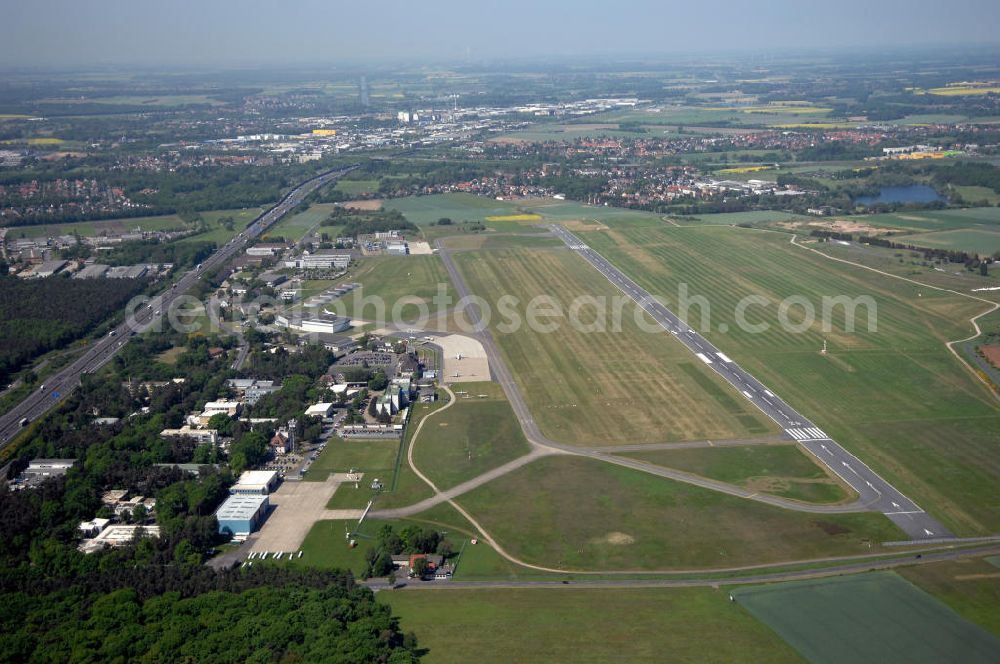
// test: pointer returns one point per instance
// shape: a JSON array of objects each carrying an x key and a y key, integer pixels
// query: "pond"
[{"x": 914, "y": 193}]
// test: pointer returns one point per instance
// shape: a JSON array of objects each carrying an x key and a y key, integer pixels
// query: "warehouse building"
[
  {"x": 255, "y": 483},
  {"x": 241, "y": 514}
]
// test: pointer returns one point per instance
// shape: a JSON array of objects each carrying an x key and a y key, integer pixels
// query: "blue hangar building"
[{"x": 241, "y": 514}]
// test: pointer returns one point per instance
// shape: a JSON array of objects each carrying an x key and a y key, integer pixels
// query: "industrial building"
[
  {"x": 319, "y": 261},
  {"x": 201, "y": 436},
  {"x": 255, "y": 483},
  {"x": 241, "y": 514}
]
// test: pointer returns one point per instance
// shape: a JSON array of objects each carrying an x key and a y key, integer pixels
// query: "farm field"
[
  {"x": 937, "y": 220},
  {"x": 601, "y": 387},
  {"x": 355, "y": 187},
  {"x": 782, "y": 470},
  {"x": 734, "y": 218},
  {"x": 876, "y": 617},
  {"x": 984, "y": 242},
  {"x": 471, "y": 437},
  {"x": 931, "y": 434},
  {"x": 970, "y": 587},
  {"x": 576, "y": 513},
  {"x": 508, "y": 625}
]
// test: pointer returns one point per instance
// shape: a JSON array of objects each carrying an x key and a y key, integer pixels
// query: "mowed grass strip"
[
  {"x": 576, "y": 513},
  {"x": 477, "y": 434},
  {"x": 782, "y": 470},
  {"x": 594, "y": 387},
  {"x": 893, "y": 395},
  {"x": 584, "y": 625},
  {"x": 875, "y": 617}
]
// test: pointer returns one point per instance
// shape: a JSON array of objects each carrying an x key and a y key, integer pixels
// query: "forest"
[{"x": 39, "y": 315}]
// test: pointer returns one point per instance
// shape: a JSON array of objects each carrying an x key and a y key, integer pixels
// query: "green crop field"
[
  {"x": 970, "y": 587},
  {"x": 735, "y": 218},
  {"x": 355, "y": 187},
  {"x": 982, "y": 241},
  {"x": 875, "y": 617},
  {"x": 783, "y": 470},
  {"x": 895, "y": 396},
  {"x": 471, "y": 437},
  {"x": 601, "y": 387},
  {"x": 584, "y": 625},
  {"x": 936, "y": 220},
  {"x": 582, "y": 514}
]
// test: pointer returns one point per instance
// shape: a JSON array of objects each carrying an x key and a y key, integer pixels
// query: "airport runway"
[
  {"x": 875, "y": 493},
  {"x": 56, "y": 387}
]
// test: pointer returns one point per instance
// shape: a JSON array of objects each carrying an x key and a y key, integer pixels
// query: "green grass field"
[
  {"x": 406, "y": 487},
  {"x": 735, "y": 218},
  {"x": 424, "y": 210},
  {"x": 327, "y": 545},
  {"x": 894, "y": 396},
  {"x": 584, "y": 625},
  {"x": 167, "y": 222},
  {"x": 375, "y": 458},
  {"x": 970, "y": 587},
  {"x": 581, "y": 514},
  {"x": 601, "y": 387},
  {"x": 782, "y": 470},
  {"x": 400, "y": 282},
  {"x": 295, "y": 226},
  {"x": 876, "y": 617},
  {"x": 982, "y": 241},
  {"x": 936, "y": 220},
  {"x": 471, "y": 437},
  {"x": 355, "y": 187}
]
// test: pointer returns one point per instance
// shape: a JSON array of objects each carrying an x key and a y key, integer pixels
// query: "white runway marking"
[
  {"x": 723, "y": 357},
  {"x": 704, "y": 358}
]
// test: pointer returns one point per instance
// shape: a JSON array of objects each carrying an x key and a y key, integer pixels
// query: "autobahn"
[
  {"x": 58, "y": 386},
  {"x": 874, "y": 492}
]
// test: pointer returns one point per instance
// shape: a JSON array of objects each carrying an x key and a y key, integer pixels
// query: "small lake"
[{"x": 915, "y": 193}]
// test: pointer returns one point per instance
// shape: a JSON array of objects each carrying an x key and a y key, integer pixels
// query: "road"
[
  {"x": 906, "y": 560},
  {"x": 875, "y": 493},
  {"x": 61, "y": 384},
  {"x": 502, "y": 375}
]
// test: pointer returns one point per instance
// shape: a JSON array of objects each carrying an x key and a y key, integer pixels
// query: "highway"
[
  {"x": 61, "y": 384},
  {"x": 875, "y": 493}
]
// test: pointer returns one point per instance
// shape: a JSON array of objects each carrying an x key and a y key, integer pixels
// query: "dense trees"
[
  {"x": 41, "y": 314},
  {"x": 358, "y": 222},
  {"x": 264, "y": 616}
]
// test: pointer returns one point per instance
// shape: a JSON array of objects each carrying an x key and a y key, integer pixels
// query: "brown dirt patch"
[
  {"x": 837, "y": 226},
  {"x": 992, "y": 353},
  {"x": 617, "y": 539},
  {"x": 374, "y": 204},
  {"x": 583, "y": 225}
]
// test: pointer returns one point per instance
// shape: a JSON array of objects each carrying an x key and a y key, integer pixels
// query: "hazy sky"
[{"x": 58, "y": 32}]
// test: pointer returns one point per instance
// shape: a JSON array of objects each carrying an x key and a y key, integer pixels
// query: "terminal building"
[{"x": 241, "y": 514}]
